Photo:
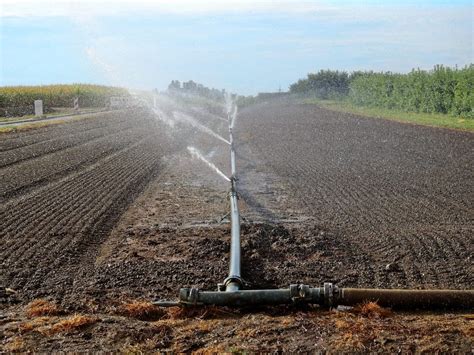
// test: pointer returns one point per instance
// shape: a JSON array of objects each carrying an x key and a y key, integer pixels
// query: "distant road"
[{"x": 51, "y": 118}]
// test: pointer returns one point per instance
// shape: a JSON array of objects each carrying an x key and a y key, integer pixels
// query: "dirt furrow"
[
  {"x": 21, "y": 139},
  {"x": 59, "y": 143},
  {"x": 399, "y": 192},
  {"x": 33, "y": 173}
]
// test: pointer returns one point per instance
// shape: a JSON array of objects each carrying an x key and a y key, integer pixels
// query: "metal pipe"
[
  {"x": 233, "y": 282},
  {"x": 232, "y": 160},
  {"x": 295, "y": 293},
  {"x": 408, "y": 298},
  {"x": 239, "y": 297},
  {"x": 331, "y": 296}
]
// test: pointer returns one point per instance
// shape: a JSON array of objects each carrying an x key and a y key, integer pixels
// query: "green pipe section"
[{"x": 332, "y": 296}]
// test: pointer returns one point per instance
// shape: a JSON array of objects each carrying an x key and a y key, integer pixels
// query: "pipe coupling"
[
  {"x": 233, "y": 279},
  {"x": 331, "y": 294},
  {"x": 300, "y": 293},
  {"x": 189, "y": 296}
]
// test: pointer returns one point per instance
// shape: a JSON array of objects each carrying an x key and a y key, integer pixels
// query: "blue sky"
[{"x": 244, "y": 46}]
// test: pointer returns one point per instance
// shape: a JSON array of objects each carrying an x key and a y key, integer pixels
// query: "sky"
[{"x": 244, "y": 46}]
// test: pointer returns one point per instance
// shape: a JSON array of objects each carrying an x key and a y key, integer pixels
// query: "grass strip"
[{"x": 425, "y": 119}]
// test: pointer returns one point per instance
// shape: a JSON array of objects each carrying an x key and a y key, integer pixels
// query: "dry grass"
[
  {"x": 348, "y": 342},
  {"x": 159, "y": 336},
  {"x": 219, "y": 349},
  {"x": 209, "y": 312},
  {"x": 212, "y": 330},
  {"x": 32, "y": 125},
  {"x": 33, "y": 325},
  {"x": 41, "y": 307},
  {"x": 181, "y": 326},
  {"x": 141, "y": 310},
  {"x": 371, "y": 310},
  {"x": 353, "y": 333},
  {"x": 7, "y": 129},
  {"x": 40, "y": 124},
  {"x": 71, "y": 324},
  {"x": 15, "y": 345},
  {"x": 359, "y": 328}
]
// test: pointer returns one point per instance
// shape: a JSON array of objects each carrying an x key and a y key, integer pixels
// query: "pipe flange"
[
  {"x": 294, "y": 292},
  {"x": 300, "y": 292},
  {"x": 193, "y": 295},
  {"x": 328, "y": 294},
  {"x": 304, "y": 292},
  {"x": 189, "y": 296},
  {"x": 233, "y": 193},
  {"x": 233, "y": 279}
]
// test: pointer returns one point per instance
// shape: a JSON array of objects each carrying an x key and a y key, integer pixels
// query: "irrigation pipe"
[
  {"x": 332, "y": 296},
  {"x": 234, "y": 281},
  {"x": 230, "y": 292}
]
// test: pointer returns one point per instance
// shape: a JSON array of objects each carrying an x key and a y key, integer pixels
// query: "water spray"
[
  {"x": 231, "y": 293},
  {"x": 195, "y": 153},
  {"x": 181, "y": 117},
  {"x": 160, "y": 115},
  {"x": 233, "y": 117}
]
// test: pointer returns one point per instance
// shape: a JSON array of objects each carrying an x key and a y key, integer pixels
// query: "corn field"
[
  {"x": 440, "y": 90},
  {"x": 18, "y": 100}
]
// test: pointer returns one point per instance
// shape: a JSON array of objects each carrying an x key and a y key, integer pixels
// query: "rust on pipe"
[{"x": 396, "y": 298}]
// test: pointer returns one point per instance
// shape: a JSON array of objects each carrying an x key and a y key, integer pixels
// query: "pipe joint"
[
  {"x": 235, "y": 280},
  {"x": 329, "y": 290},
  {"x": 300, "y": 293},
  {"x": 327, "y": 296},
  {"x": 233, "y": 191},
  {"x": 189, "y": 296}
]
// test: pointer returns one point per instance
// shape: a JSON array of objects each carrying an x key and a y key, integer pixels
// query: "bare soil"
[
  {"x": 102, "y": 212},
  {"x": 392, "y": 193}
]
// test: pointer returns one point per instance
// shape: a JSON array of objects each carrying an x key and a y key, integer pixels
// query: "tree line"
[
  {"x": 191, "y": 87},
  {"x": 440, "y": 90}
]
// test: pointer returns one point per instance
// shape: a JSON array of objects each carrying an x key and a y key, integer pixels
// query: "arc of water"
[
  {"x": 181, "y": 117},
  {"x": 195, "y": 153},
  {"x": 233, "y": 117}
]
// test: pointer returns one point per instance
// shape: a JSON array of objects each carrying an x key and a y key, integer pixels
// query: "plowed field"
[
  {"x": 112, "y": 209},
  {"x": 393, "y": 193},
  {"x": 62, "y": 188}
]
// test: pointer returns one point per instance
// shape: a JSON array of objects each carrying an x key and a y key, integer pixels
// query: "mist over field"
[{"x": 236, "y": 176}]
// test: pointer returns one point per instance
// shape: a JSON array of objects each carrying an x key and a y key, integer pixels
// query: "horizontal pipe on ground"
[
  {"x": 409, "y": 298},
  {"x": 330, "y": 296},
  {"x": 236, "y": 298}
]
